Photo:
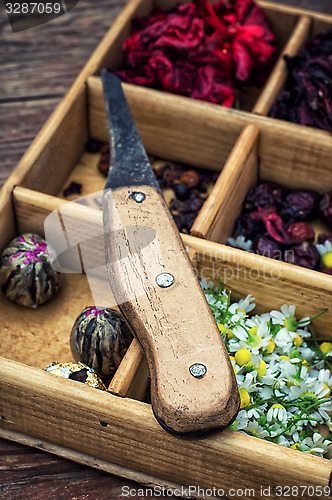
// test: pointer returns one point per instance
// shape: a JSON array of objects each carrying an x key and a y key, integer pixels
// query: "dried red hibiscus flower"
[
  {"x": 306, "y": 98},
  {"x": 200, "y": 50}
]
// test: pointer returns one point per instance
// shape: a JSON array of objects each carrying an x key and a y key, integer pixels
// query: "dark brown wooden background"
[{"x": 37, "y": 68}]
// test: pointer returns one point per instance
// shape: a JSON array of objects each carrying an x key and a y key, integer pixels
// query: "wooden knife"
[{"x": 193, "y": 386}]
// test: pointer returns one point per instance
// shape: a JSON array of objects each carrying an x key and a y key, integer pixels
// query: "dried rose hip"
[
  {"x": 179, "y": 220},
  {"x": 167, "y": 173},
  {"x": 193, "y": 204},
  {"x": 301, "y": 231},
  {"x": 265, "y": 194},
  {"x": 202, "y": 187},
  {"x": 93, "y": 146},
  {"x": 305, "y": 255},
  {"x": 300, "y": 205},
  {"x": 190, "y": 178},
  {"x": 263, "y": 245},
  {"x": 325, "y": 208},
  {"x": 181, "y": 191}
]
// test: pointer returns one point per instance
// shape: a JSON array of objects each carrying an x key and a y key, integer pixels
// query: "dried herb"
[
  {"x": 306, "y": 98},
  {"x": 200, "y": 50},
  {"x": 274, "y": 223}
]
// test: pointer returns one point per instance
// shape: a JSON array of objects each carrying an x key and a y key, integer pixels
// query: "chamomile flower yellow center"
[
  {"x": 326, "y": 393},
  {"x": 326, "y": 347},
  {"x": 277, "y": 405},
  {"x": 327, "y": 260},
  {"x": 296, "y": 446},
  {"x": 297, "y": 341},
  {"x": 287, "y": 358},
  {"x": 242, "y": 356},
  {"x": 230, "y": 334},
  {"x": 306, "y": 364},
  {"x": 270, "y": 347},
  {"x": 245, "y": 398},
  {"x": 222, "y": 328},
  {"x": 261, "y": 369},
  {"x": 253, "y": 330}
]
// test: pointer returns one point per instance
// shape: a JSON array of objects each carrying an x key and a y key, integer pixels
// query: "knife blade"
[{"x": 193, "y": 386}]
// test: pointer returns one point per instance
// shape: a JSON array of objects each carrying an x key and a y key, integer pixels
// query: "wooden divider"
[
  {"x": 216, "y": 218},
  {"x": 279, "y": 74}
]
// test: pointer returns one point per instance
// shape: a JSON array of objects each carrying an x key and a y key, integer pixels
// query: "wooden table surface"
[{"x": 37, "y": 68}]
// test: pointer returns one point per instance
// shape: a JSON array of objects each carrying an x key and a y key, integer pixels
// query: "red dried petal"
[{"x": 199, "y": 49}]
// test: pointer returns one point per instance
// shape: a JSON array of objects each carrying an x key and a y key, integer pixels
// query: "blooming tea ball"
[
  {"x": 100, "y": 338},
  {"x": 78, "y": 372},
  {"x": 26, "y": 274}
]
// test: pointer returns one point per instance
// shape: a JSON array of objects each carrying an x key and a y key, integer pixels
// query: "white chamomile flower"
[
  {"x": 242, "y": 307},
  {"x": 279, "y": 317},
  {"x": 206, "y": 285},
  {"x": 284, "y": 339},
  {"x": 283, "y": 441},
  {"x": 258, "y": 319},
  {"x": 277, "y": 412},
  {"x": 284, "y": 385},
  {"x": 316, "y": 445},
  {"x": 286, "y": 318},
  {"x": 325, "y": 376},
  {"x": 248, "y": 383},
  {"x": 256, "y": 430},
  {"x": 242, "y": 419},
  {"x": 324, "y": 248},
  {"x": 255, "y": 339},
  {"x": 241, "y": 243}
]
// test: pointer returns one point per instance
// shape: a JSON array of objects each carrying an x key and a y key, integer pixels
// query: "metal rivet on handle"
[
  {"x": 198, "y": 370},
  {"x": 164, "y": 280},
  {"x": 137, "y": 196}
]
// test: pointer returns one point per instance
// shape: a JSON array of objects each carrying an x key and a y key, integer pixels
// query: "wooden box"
[{"x": 116, "y": 431}]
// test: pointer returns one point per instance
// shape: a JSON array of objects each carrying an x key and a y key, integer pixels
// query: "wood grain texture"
[
  {"x": 26, "y": 472},
  {"x": 38, "y": 67},
  {"x": 165, "y": 319},
  {"x": 76, "y": 412},
  {"x": 77, "y": 33}
]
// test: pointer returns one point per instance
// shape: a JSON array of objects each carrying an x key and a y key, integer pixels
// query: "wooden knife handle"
[{"x": 193, "y": 385}]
